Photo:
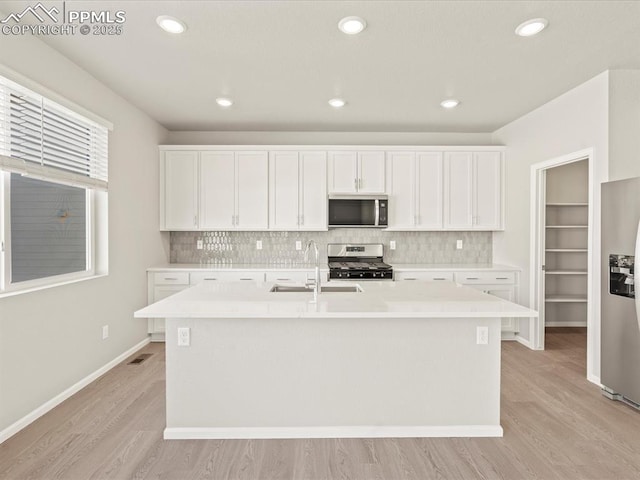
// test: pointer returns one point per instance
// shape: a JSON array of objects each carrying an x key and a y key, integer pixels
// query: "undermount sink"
[{"x": 324, "y": 288}]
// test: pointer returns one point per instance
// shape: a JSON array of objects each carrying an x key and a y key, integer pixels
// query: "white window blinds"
[{"x": 43, "y": 139}]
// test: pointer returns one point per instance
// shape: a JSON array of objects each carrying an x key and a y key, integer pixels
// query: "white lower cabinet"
[{"x": 499, "y": 283}]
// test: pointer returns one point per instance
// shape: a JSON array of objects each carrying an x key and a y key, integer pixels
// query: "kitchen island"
[{"x": 396, "y": 359}]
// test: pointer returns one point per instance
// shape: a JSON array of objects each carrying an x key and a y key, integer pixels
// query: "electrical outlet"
[
  {"x": 105, "y": 332},
  {"x": 482, "y": 335},
  {"x": 459, "y": 244},
  {"x": 199, "y": 244},
  {"x": 258, "y": 244},
  {"x": 298, "y": 245},
  {"x": 392, "y": 244},
  {"x": 184, "y": 336}
]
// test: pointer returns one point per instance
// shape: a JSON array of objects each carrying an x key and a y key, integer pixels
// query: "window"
[{"x": 53, "y": 172}]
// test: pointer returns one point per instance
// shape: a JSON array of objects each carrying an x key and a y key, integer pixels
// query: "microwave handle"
[{"x": 377, "y": 212}]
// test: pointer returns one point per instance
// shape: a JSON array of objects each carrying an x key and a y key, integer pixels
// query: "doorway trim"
[{"x": 537, "y": 217}]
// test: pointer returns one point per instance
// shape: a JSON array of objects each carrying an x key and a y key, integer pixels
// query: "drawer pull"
[
  {"x": 502, "y": 278},
  {"x": 283, "y": 279},
  {"x": 209, "y": 278},
  {"x": 472, "y": 278},
  {"x": 170, "y": 278},
  {"x": 410, "y": 278},
  {"x": 246, "y": 279},
  {"x": 439, "y": 278}
]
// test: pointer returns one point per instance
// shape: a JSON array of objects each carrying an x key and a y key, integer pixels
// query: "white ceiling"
[{"x": 282, "y": 60}]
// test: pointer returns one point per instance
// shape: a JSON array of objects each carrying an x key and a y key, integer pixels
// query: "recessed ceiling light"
[
  {"x": 531, "y": 27},
  {"x": 337, "y": 102},
  {"x": 449, "y": 103},
  {"x": 352, "y": 25},
  {"x": 224, "y": 102},
  {"x": 170, "y": 24}
]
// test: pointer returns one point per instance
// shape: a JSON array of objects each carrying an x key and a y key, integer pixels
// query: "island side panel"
[{"x": 270, "y": 377}]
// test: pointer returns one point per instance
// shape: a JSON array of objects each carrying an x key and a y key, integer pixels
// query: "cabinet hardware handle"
[
  {"x": 210, "y": 278},
  {"x": 246, "y": 279},
  {"x": 301, "y": 219},
  {"x": 439, "y": 278},
  {"x": 360, "y": 183},
  {"x": 233, "y": 219},
  {"x": 283, "y": 279},
  {"x": 170, "y": 278},
  {"x": 410, "y": 278},
  {"x": 502, "y": 278},
  {"x": 237, "y": 220},
  {"x": 472, "y": 278},
  {"x": 355, "y": 183},
  {"x": 195, "y": 220}
]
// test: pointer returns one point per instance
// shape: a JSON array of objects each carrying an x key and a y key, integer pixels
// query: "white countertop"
[
  {"x": 263, "y": 267},
  {"x": 377, "y": 300},
  {"x": 304, "y": 267},
  {"x": 407, "y": 267}
]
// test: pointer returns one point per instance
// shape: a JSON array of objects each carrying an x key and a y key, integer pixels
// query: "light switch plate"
[
  {"x": 298, "y": 245},
  {"x": 459, "y": 244},
  {"x": 105, "y": 332},
  {"x": 258, "y": 244},
  {"x": 199, "y": 244},
  {"x": 392, "y": 245}
]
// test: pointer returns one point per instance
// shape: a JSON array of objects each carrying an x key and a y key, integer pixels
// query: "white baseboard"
[
  {"x": 594, "y": 379},
  {"x": 524, "y": 341},
  {"x": 61, "y": 397},
  {"x": 177, "y": 433}
]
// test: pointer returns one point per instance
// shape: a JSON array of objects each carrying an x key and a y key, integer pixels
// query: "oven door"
[{"x": 355, "y": 212}]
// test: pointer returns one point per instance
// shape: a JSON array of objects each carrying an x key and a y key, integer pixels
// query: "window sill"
[{"x": 36, "y": 288}]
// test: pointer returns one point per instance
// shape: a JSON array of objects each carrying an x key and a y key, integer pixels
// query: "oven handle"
[{"x": 377, "y": 212}]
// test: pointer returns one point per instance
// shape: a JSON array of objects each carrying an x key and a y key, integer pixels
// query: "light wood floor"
[{"x": 557, "y": 426}]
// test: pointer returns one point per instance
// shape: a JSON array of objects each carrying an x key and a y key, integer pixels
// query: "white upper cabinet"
[
  {"x": 217, "y": 190},
  {"x": 473, "y": 190},
  {"x": 415, "y": 188},
  {"x": 357, "y": 172},
  {"x": 284, "y": 213},
  {"x": 488, "y": 190},
  {"x": 313, "y": 191},
  {"x": 252, "y": 190},
  {"x": 298, "y": 192},
  {"x": 179, "y": 191}
]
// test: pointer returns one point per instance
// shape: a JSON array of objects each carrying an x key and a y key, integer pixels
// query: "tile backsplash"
[{"x": 279, "y": 248}]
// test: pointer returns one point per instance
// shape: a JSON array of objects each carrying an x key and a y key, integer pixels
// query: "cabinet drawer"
[
  {"x": 491, "y": 278},
  {"x": 252, "y": 276},
  {"x": 171, "y": 278},
  {"x": 297, "y": 277},
  {"x": 423, "y": 276}
]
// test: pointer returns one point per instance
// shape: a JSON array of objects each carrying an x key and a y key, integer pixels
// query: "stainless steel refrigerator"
[{"x": 620, "y": 313}]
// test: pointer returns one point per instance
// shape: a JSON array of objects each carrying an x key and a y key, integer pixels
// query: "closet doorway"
[{"x": 562, "y": 248}]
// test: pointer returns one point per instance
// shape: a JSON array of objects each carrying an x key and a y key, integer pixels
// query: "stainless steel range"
[{"x": 360, "y": 262}]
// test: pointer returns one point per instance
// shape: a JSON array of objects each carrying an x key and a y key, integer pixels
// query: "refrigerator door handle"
[{"x": 635, "y": 260}]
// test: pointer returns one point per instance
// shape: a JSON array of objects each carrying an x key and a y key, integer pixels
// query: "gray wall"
[
  {"x": 327, "y": 138},
  {"x": 278, "y": 248},
  {"x": 51, "y": 339},
  {"x": 624, "y": 124}
]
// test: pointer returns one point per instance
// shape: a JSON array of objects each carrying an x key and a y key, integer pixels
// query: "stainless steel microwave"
[{"x": 358, "y": 211}]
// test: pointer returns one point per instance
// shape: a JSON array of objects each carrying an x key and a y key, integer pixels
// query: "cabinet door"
[
  {"x": 402, "y": 183},
  {"x": 458, "y": 190},
  {"x": 217, "y": 190},
  {"x": 371, "y": 175},
  {"x": 343, "y": 172},
  {"x": 284, "y": 212},
  {"x": 180, "y": 191},
  {"x": 488, "y": 190},
  {"x": 313, "y": 191},
  {"x": 252, "y": 193},
  {"x": 429, "y": 190}
]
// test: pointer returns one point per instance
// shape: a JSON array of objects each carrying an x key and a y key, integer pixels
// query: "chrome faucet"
[{"x": 317, "y": 288}]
